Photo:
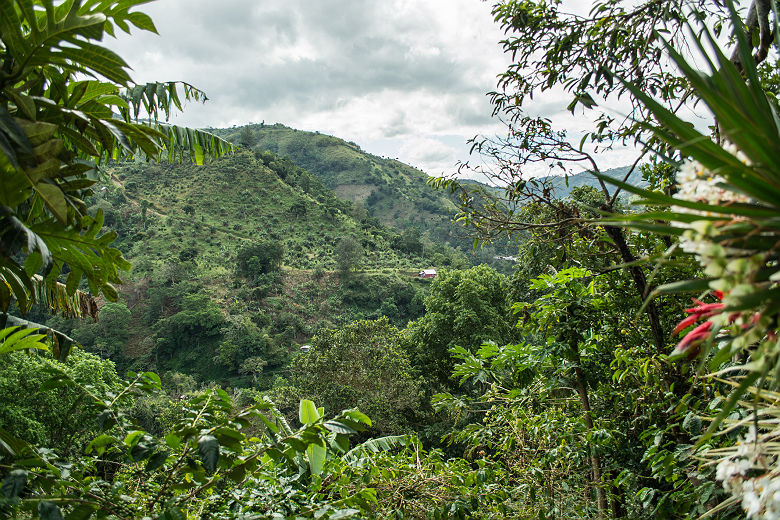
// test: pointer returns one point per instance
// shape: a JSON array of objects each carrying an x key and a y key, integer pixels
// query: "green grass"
[{"x": 395, "y": 193}]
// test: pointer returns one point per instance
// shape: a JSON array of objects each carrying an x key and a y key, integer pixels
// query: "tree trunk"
[
  {"x": 616, "y": 234},
  {"x": 595, "y": 460},
  {"x": 757, "y": 20}
]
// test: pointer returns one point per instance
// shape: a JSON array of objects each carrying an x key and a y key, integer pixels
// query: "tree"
[
  {"x": 52, "y": 417},
  {"x": 260, "y": 258},
  {"x": 361, "y": 365},
  {"x": 246, "y": 137},
  {"x": 349, "y": 255},
  {"x": 464, "y": 308},
  {"x": 299, "y": 209},
  {"x": 593, "y": 58},
  {"x": 68, "y": 104},
  {"x": 253, "y": 366}
]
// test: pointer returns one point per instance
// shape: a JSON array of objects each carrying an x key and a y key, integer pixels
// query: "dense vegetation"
[
  {"x": 387, "y": 189},
  {"x": 558, "y": 391}
]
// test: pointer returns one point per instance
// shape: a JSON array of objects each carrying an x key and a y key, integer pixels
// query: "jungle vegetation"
[{"x": 151, "y": 351}]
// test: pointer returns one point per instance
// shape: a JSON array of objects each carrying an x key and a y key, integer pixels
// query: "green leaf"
[
  {"x": 307, "y": 412},
  {"x": 54, "y": 199},
  {"x": 14, "y": 483},
  {"x": 81, "y": 512},
  {"x": 142, "y": 21},
  {"x": 173, "y": 513},
  {"x": 316, "y": 454},
  {"x": 49, "y": 511},
  {"x": 731, "y": 402},
  {"x": 208, "y": 449},
  {"x": 173, "y": 441},
  {"x": 100, "y": 443},
  {"x": 156, "y": 460}
]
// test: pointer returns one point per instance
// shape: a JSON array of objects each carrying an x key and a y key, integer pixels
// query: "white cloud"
[
  {"x": 437, "y": 156},
  {"x": 363, "y": 71},
  {"x": 402, "y": 78}
]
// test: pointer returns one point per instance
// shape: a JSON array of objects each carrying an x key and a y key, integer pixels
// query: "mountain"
[
  {"x": 562, "y": 185},
  {"x": 245, "y": 258},
  {"x": 391, "y": 191}
]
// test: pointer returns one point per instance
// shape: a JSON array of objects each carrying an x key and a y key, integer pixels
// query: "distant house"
[
  {"x": 427, "y": 273},
  {"x": 305, "y": 348}
]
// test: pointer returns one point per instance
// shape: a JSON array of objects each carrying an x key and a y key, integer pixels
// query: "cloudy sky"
[{"x": 402, "y": 78}]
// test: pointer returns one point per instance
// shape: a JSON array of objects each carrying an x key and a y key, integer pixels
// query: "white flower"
[{"x": 751, "y": 504}]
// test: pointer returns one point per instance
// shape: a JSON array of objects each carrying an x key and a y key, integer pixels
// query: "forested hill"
[
  {"x": 246, "y": 257},
  {"x": 393, "y": 192},
  {"x": 209, "y": 212}
]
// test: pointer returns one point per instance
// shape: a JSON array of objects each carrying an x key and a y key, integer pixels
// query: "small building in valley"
[{"x": 427, "y": 273}]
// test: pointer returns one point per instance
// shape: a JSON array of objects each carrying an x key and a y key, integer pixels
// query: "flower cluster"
[
  {"x": 760, "y": 494},
  {"x": 692, "y": 339},
  {"x": 698, "y": 184}
]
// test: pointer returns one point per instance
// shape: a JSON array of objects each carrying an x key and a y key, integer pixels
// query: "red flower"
[
  {"x": 692, "y": 339},
  {"x": 703, "y": 310},
  {"x": 689, "y": 343}
]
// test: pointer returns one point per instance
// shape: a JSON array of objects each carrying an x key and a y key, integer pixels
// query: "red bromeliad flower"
[
  {"x": 692, "y": 339},
  {"x": 690, "y": 342},
  {"x": 703, "y": 310}
]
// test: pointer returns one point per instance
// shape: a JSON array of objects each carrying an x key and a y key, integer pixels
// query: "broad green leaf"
[
  {"x": 14, "y": 483},
  {"x": 208, "y": 449},
  {"x": 316, "y": 454},
  {"x": 307, "y": 412}
]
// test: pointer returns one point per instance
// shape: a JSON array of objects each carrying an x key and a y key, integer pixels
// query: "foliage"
[
  {"x": 464, "y": 308},
  {"x": 52, "y": 417},
  {"x": 363, "y": 366},
  {"x": 55, "y": 127},
  {"x": 207, "y": 457},
  {"x": 349, "y": 255},
  {"x": 724, "y": 214},
  {"x": 260, "y": 258}
]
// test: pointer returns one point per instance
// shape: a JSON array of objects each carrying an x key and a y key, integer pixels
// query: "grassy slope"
[
  {"x": 198, "y": 218},
  {"x": 213, "y": 210},
  {"x": 395, "y": 193}
]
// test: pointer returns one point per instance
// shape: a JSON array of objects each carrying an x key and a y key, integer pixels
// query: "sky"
[{"x": 405, "y": 79}]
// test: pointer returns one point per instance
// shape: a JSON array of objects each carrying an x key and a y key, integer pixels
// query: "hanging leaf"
[
  {"x": 14, "y": 483},
  {"x": 208, "y": 449}
]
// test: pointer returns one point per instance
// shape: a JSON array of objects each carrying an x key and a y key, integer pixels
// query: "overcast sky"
[{"x": 402, "y": 78}]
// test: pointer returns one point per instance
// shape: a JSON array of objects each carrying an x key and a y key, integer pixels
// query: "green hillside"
[
  {"x": 206, "y": 213},
  {"x": 242, "y": 260},
  {"x": 393, "y": 192}
]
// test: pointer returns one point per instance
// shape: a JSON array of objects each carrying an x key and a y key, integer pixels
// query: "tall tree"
[
  {"x": 464, "y": 308},
  {"x": 592, "y": 58}
]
